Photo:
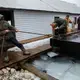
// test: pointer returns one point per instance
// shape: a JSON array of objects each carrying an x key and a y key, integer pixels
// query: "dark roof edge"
[{"x": 3, "y": 8}]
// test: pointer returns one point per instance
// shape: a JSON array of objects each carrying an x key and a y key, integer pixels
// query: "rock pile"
[{"x": 13, "y": 74}]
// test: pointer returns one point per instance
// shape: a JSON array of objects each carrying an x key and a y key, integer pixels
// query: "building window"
[{"x": 56, "y": 17}]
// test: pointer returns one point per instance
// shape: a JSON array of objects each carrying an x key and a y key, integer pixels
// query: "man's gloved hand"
[
  {"x": 56, "y": 28},
  {"x": 53, "y": 25},
  {"x": 17, "y": 30},
  {"x": 6, "y": 31}
]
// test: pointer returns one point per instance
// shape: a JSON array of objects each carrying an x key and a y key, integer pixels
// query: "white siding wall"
[{"x": 34, "y": 21}]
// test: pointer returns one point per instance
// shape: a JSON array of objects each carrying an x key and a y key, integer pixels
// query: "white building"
[
  {"x": 77, "y": 2},
  {"x": 36, "y": 16}
]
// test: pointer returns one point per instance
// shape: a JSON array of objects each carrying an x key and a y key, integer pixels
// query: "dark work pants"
[
  {"x": 78, "y": 26},
  {"x": 15, "y": 42}
]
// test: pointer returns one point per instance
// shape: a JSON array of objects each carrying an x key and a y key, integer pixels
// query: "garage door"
[{"x": 32, "y": 21}]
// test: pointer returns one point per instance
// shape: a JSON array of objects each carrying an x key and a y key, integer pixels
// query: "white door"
[{"x": 32, "y": 21}]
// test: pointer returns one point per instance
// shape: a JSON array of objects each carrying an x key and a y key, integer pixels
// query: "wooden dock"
[
  {"x": 34, "y": 70},
  {"x": 16, "y": 57}
]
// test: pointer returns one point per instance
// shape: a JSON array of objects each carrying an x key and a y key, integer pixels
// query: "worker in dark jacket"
[
  {"x": 59, "y": 26},
  {"x": 6, "y": 31}
]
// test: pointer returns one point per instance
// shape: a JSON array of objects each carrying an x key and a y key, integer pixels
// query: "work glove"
[{"x": 6, "y": 31}]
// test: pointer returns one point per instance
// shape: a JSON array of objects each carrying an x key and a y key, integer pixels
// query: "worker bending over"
[{"x": 59, "y": 27}]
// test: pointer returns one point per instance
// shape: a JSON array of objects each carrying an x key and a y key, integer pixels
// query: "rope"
[
  {"x": 64, "y": 35},
  {"x": 33, "y": 33},
  {"x": 1, "y": 38}
]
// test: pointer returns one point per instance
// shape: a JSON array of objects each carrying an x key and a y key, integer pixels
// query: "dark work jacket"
[
  {"x": 62, "y": 24},
  {"x": 4, "y": 25}
]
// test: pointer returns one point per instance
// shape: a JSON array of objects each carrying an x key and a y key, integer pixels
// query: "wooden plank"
[
  {"x": 35, "y": 39},
  {"x": 38, "y": 73},
  {"x": 16, "y": 57}
]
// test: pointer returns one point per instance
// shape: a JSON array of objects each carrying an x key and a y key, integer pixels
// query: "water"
[{"x": 60, "y": 68}]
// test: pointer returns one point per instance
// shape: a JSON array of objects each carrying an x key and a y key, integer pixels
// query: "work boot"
[
  {"x": 25, "y": 52},
  {"x": 6, "y": 59}
]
